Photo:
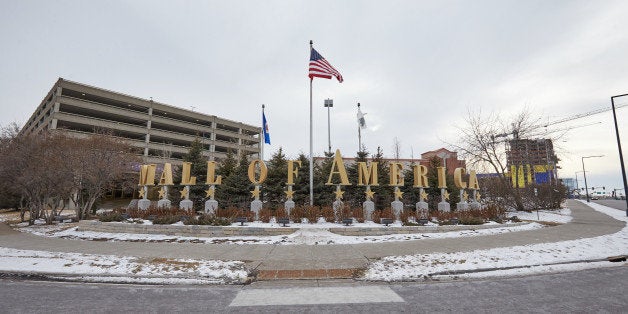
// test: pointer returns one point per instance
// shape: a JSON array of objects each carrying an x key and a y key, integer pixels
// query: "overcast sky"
[{"x": 415, "y": 66}]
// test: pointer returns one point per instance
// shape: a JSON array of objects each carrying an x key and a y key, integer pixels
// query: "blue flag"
[{"x": 265, "y": 129}]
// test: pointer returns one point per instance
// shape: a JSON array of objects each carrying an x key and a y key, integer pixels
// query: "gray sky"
[{"x": 415, "y": 66}]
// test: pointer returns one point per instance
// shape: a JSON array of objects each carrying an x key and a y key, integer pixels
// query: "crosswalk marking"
[{"x": 315, "y": 295}]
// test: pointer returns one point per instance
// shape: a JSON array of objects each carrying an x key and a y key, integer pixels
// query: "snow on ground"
[
  {"x": 539, "y": 256},
  {"x": 562, "y": 215},
  {"x": 520, "y": 260},
  {"x": 308, "y": 234},
  {"x": 110, "y": 268}
]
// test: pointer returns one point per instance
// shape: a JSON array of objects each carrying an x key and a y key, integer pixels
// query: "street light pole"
[
  {"x": 586, "y": 187},
  {"x": 328, "y": 104},
  {"x": 577, "y": 187},
  {"x": 621, "y": 156}
]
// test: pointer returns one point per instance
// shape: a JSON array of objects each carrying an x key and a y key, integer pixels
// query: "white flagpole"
[
  {"x": 359, "y": 131},
  {"x": 311, "y": 144}
]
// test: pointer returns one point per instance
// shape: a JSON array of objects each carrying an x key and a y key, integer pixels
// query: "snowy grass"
[
  {"x": 562, "y": 215},
  {"x": 125, "y": 269},
  {"x": 310, "y": 234},
  {"x": 526, "y": 259}
]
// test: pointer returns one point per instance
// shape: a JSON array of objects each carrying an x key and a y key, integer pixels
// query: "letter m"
[{"x": 367, "y": 175}]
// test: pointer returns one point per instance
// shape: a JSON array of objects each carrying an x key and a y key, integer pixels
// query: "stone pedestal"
[
  {"x": 337, "y": 205},
  {"x": 474, "y": 204},
  {"x": 288, "y": 206},
  {"x": 143, "y": 204},
  {"x": 186, "y": 204},
  {"x": 164, "y": 203},
  {"x": 444, "y": 207},
  {"x": 422, "y": 210},
  {"x": 256, "y": 206},
  {"x": 369, "y": 208},
  {"x": 211, "y": 206},
  {"x": 462, "y": 206},
  {"x": 397, "y": 209}
]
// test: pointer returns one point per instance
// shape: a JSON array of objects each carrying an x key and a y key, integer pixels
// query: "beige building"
[{"x": 163, "y": 132}]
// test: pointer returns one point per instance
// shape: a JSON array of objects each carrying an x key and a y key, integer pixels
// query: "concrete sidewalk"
[{"x": 320, "y": 261}]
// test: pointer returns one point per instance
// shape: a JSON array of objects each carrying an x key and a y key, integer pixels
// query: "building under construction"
[{"x": 531, "y": 161}]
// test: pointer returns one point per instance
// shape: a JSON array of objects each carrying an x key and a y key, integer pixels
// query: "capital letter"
[
  {"x": 147, "y": 174},
  {"x": 396, "y": 177},
  {"x": 473, "y": 180},
  {"x": 337, "y": 163},
  {"x": 166, "y": 175},
  {"x": 367, "y": 175},
  {"x": 186, "y": 179},
  {"x": 293, "y": 171},
  {"x": 263, "y": 171},
  {"x": 442, "y": 178},
  {"x": 420, "y": 176},
  {"x": 458, "y": 180},
  {"x": 212, "y": 179}
]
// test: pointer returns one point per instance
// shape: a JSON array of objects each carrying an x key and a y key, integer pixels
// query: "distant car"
[{"x": 594, "y": 198}]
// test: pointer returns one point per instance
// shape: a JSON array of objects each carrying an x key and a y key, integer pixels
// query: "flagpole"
[
  {"x": 359, "y": 133},
  {"x": 263, "y": 135},
  {"x": 311, "y": 144}
]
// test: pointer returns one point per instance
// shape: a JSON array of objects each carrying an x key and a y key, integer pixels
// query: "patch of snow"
[
  {"x": 307, "y": 236},
  {"x": 562, "y": 215},
  {"x": 417, "y": 267},
  {"x": 90, "y": 265},
  {"x": 531, "y": 270}
]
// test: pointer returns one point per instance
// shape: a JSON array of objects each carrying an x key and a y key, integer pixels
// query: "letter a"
[{"x": 342, "y": 172}]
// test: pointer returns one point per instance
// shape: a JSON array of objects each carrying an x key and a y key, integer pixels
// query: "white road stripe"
[{"x": 318, "y": 295}]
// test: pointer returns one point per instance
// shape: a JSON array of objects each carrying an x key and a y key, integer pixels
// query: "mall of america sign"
[{"x": 367, "y": 177}]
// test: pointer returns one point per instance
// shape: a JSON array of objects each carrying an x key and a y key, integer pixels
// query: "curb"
[{"x": 117, "y": 279}]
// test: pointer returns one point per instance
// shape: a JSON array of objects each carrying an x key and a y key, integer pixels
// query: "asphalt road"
[
  {"x": 597, "y": 290},
  {"x": 619, "y": 204}
]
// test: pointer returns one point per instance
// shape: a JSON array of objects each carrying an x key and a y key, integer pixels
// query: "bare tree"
[
  {"x": 97, "y": 164},
  {"x": 31, "y": 167},
  {"x": 482, "y": 142},
  {"x": 49, "y": 169},
  {"x": 396, "y": 148}
]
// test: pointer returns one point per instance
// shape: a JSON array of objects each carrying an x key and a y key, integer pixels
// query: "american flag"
[{"x": 319, "y": 67}]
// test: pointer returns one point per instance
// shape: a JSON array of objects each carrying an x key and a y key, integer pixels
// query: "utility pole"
[
  {"x": 621, "y": 156},
  {"x": 329, "y": 103}
]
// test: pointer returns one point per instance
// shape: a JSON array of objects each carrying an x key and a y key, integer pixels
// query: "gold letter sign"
[
  {"x": 147, "y": 174},
  {"x": 263, "y": 171},
  {"x": 344, "y": 180}
]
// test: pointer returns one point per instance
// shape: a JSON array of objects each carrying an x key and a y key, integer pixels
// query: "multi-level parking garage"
[{"x": 163, "y": 132}]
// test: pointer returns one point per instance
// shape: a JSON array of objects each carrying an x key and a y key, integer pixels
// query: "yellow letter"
[
  {"x": 185, "y": 174},
  {"x": 513, "y": 175},
  {"x": 367, "y": 175},
  {"x": 263, "y": 171},
  {"x": 166, "y": 175},
  {"x": 473, "y": 181},
  {"x": 337, "y": 163},
  {"x": 458, "y": 180},
  {"x": 420, "y": 176},
  {"x": 211, "y": 171},
  {"x": 442, "y": 178},
  {"x": 396, "y": 176},
  {"x": 147, "y": 174},
  {"x": 293, "y": 171}
]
